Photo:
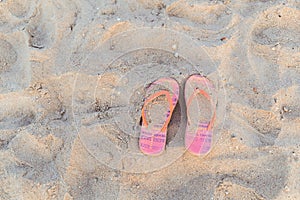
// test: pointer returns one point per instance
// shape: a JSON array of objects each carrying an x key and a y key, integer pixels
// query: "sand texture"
[{"x": 73, "y": 77}]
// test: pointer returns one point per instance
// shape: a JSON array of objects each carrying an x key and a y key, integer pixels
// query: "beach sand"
[{"x": 72, "y": 83}]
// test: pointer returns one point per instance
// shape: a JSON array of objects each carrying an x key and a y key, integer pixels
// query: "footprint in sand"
[
  {"x": 207, "y": 15},
  {"x": 15, "y": 14},
  {"x": 35, "y": 156},
  {"x": 251, "y": 176},
  {"x": 16, "y": 111},
  {"x": 33, "y": 150},
  {"x": 18, "y": 8},
  {"x": 263, "y": 127},
  {"x": 228, "y": 190},
  {"x": 40, "y": 102},
  {"x": 205, "y": 19},
  {"x": 41, "y": 29},
  {"x": 8, "y": 55},
  {"x": 275, "y": 36},
  {"x": 273, "y": 48},
  {"x": 86, "y": 173},
  {"x": 286, "y": 104},
  {"x": 14, "y": 63},
  {"x": 3, "y": 17}
]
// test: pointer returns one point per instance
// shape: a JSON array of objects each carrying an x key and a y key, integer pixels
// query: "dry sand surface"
[{"x": 73, "y": 75}]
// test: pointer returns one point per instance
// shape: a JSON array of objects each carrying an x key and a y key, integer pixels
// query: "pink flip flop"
[
  {"x": 201, "y": 114},
  {"x": 162, "y": 96}
]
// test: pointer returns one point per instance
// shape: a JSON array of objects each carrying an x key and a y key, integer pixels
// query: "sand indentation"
[
  {"x": 276, "y": 38},
  {"x": 265, "y": 124},
  {"x": 286, "y": 104},
  {"x": 8, "y": 55},
  {"x": 35, "y": 151},
  {"x": 18, "y": 8},
  {"x": 16, "y": 112},
  {"x": 228, "y": 190},
  {"x": 209, "y": 15},
  {"x": 41, "y": 29}
]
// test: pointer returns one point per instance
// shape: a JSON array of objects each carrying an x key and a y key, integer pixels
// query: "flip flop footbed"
[
  {"x": 161, "y": 99},
  {"x": 200, "y": 102}
]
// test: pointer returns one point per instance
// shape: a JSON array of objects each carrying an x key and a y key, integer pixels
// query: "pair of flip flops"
[{"x": 161, "y": 99}]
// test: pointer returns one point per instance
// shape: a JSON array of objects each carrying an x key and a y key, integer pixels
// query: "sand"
[{"x": 72, "y": 83}]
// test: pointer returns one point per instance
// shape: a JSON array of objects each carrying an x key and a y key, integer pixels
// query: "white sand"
[{"x": 72, "y": 79}]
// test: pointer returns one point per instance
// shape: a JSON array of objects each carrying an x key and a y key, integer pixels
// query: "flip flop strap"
[
  {"x": 150, "y": 99},
  {"x": 205, "y": 94}
]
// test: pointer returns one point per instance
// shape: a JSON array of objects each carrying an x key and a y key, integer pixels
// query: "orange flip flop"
[
  {"x": 162, "y": 96},
  {"x": 201, "y": 114}
]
